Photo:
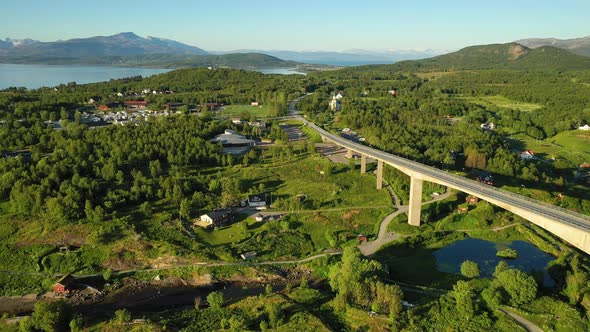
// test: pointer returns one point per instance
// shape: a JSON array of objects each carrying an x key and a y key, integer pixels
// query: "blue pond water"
[{"x": 449, "y": 258}]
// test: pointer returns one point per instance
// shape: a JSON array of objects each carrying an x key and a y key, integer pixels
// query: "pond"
[{"x": 530, "y": 258}]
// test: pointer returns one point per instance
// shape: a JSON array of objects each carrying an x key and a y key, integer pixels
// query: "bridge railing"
[{"x": 417, "y": 165}]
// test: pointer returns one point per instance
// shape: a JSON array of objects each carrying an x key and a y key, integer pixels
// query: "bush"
[
  {"x": 51, "y": 316},
  {"x": 470, "y": 269},
  {"x": 215, "y": 300},
  {"x": 507, "y": 253}
]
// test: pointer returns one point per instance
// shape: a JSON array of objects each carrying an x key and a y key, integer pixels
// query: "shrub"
[{"x": 470, "y": 269}]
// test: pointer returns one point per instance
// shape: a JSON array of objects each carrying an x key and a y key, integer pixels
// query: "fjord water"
[
  {"x": 36, "y": 76},
  {"x": 449, "y": 258}
]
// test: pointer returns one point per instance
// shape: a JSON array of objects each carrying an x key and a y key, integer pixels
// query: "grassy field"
[
  {"x": 572, "y": 146},
  {"x": 261, "y": 111},
  {"x": 331, "y": 209},
  {"x": 502, "y": 101}
]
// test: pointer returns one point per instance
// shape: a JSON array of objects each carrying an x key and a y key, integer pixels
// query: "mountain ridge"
[
  {"x": 580, "y": 46},
  {"x": 502, "y": 56}
]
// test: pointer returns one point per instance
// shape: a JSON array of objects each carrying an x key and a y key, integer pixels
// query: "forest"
[{"x": 122, "y": 197}]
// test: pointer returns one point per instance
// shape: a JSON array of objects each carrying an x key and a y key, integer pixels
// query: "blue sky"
[{"x": 301, "y": 25}]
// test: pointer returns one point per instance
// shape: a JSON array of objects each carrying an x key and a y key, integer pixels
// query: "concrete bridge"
[{"x": 568, "y": 225}]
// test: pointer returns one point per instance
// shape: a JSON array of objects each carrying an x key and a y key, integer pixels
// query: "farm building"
[
  {"x": 64, "y": 285},
  {"x": 217, "y": 217}
]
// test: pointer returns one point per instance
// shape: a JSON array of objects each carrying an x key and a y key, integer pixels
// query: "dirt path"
[
  {"x": 527, "y": 324},
  {"x": 384, "y": 237}
]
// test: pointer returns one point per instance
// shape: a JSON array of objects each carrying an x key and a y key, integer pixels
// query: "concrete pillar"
[
  {"x": 348, "y": 153},
  {"x": 379, "y": 174},
  {"x": 363, "y": 164},
  {"x": 415, "y": 201}
]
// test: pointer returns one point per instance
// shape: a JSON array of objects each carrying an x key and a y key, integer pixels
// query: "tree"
[
  {"x": 122, "y": 316},
  {"x": 215, "y": 300},
  {"x": 502, "y": 266},
  {"x": 77, "y": 324},
  {"x": 521, "y": 287},
  {"x": 185, "y": 209},
  {"x": 237, "y": 323},
  {"x": 51, "y": 316},
  {"x": 470, "y": 269},
  {"x": 464, "y": 292},
  {"x": 273, "y": 310}
]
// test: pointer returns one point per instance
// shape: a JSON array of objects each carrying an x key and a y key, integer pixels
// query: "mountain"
[
  {"x": 502, "y": 56},
  {"x": 128, "y": 49},
  {"x": 236, "y": 61},
  {"x": 345, "y": 58},
  {"x": 15, "y": 43},
  {"x": 579, "y": 46},
  {"x": 122, "y": 44}
]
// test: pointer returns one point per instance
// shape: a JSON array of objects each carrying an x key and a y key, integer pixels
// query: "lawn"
[
  {"x": 338, "y": 187},
  {"x": 572, "y": 146},
  {"x": 504, "y": 102},
  {"x": 245, "y": 111}
]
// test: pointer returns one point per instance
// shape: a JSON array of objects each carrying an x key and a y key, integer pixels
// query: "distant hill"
[
  {"x": 122, "y": 44},
  {"x": 346, "y": 58},
  {"x": 579, "y": 46},
  {"x": 128, "y": 49},
  {"x": 502, "y": 56}
]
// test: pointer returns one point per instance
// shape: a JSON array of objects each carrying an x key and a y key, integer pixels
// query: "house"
[
  {"x": 259, "y": 217},
  {"x": 362, "y": 238},
  {"x": 584, "y": 127},
  {"x": 335, "y": 103},
  {"x": 107, "y": 107},
  {"x": 135, "y": 104},
  {"x": 217, "y": 217},
  {"x": 254, "y": 103},
  {"x": 472, "y": 200},
  {"x": 463, "y": 210},
  {"x": 487, "y": 126},
  {"x": 527, "y": 155},
  {"x": 172, "y": 106},
  {"x": 230, "y": 138},
  {"x": 392, "y": 93},
  {"x": 64, "y": 285},
  {"x": 248, "y": 255},
  {"x": 257, "y": 201}
]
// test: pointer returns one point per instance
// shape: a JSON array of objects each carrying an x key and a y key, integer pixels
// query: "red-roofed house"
[{"x": 135, "y": 103}]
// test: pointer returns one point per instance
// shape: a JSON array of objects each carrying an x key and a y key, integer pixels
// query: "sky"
[{"x": 327, "y": 25}]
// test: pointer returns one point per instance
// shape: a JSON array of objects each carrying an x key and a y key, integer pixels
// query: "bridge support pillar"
[
  {"x": 363, "y": 164},
  {"x": 379, "y": 174},
  {"x": 348, "y": 153},
  {"x": 415, "y": 201}
]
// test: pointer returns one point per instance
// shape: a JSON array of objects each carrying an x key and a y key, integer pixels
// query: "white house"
[
  {"x": 335, "y": 104},
  {"x": 584, "y": 127},
  {"x": 527, "y": 155},
  {"x": 257, "y": 201},
  {"x": 216, "y": 218},
  {"x": 487, "y": 126}
]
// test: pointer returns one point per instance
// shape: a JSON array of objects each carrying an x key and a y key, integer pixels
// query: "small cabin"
[
  {"x": 64, "y": 285},
  {"x": 362, "y": 238},
  {"x": 472, "y": 200},
  {"x": 248, "y": 255}
]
